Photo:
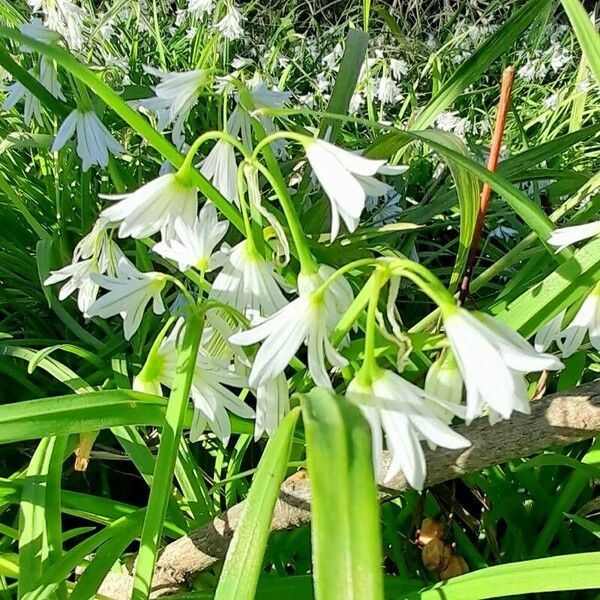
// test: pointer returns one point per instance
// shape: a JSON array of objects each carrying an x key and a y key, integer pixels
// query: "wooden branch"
[{"x": 555, "y": 420}]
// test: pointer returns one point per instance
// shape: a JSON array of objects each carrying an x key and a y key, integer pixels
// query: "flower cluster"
[{"x": 222, "y": 244}]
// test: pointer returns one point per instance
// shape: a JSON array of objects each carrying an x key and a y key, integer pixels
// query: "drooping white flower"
[
  {"x": 128, "y": 295},
  {"x": 272, "y": 404},
  {"x": 230, "y": 25},
  {"x": 248, "y": 283},
  {"x": 194, "y": 243},
  {"x": 220, "y": 168},
  {"x": 174, "y": 98},
  {"x": 155, "y": 206},
  {"x": 200, "y": 7},
  {"x": 94, "y": 141},
  {"x": 405, "y": 413},
  {"x": 211, "y": 398},
  {"x": 587, "y": 320},
  {"x": 388, "y": 91},
  {"x": 493, "y": 360},
  {"x": 94, "y": 254},
  {"x": 16, "y": 92},
  {"x": 309, "y": 319},
  {"x": 398, "y": 67},
  {"x": 549, "y": 333},
  {"x": 62, "y": 16},
  {"x": 347, "y": 179},
  {"x": 565, "y": 236}
]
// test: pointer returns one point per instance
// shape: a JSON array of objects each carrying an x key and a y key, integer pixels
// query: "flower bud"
[{"x": 444, "y": 381}]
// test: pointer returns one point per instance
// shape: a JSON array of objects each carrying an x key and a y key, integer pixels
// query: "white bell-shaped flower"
[
  {"x": 444, "y": 381},
  {"x": 406, "y": 414},
  {"x": 272, "y": 404},
  {"x": 129, "y": 293},
  {"x": 549, "y": 333},
  {"x": 493, "y": 360},
  {"x": 156, "y": 206},
  {"x": 586, "y": 321},
  {"x": 347, "y": 179},
  {"x": 195, "y": 242},
  {"x": 94, "y": 141},
  {"x": 230, "y": 25},
  {"x": 248, "y": 283}
]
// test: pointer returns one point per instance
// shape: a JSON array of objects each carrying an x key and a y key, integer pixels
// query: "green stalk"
[{"x": 162, "y": 480}]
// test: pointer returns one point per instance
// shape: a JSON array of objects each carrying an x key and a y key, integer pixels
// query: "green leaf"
[
  {"x": 346, "y": 537},
  {"x": 586, "y": 33},
  {"x": 243, "y": 564},
  {"x": 554, "y": 574},
  {"x": 469, "y": 71},
  {"x": 593, "y": 528}
]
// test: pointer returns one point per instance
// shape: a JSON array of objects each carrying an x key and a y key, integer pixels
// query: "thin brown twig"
[{"x": 486, "y": 193}]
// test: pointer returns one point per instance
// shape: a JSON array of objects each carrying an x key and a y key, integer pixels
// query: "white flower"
[
  {"x": 549, "y": 333},
  {"x": 347, "y": 179},
  {"x": 356, "y": 103},
  {"x": 404, "y": 413},
  {"x": 195, "y": 243},
  {"x": 94, "y": 141},
  {"x": 388, "y": 91},
  {"x": 272, "y": 404},
  {"x": 16, "y": 92},
  {"x": 175, "y": 96},
  {"x": 212, "y": 400},
  {"x": 62, "y": 16},
  {"x": 452, "y": 122},
  {"x": 551, "y": 101},
  {"x": 493, "y": 360},
  {"x": 398, "y": 67},
  {"x": 561, "y": 238},
  {"x": 231, "y": 24},
  {"x": 220, "y": 168},
  {"x": 503, "y": 233},
  {"x": 248, "y": 283},
  {"x": 154, "y": 207},
  {"x": 309, "y": 319},
  {"x": 95, "y": 253},
  {"x": 587, "y": 320},
  {"x": 128, "y": 295},
  {"x": 200, "y": 7}
]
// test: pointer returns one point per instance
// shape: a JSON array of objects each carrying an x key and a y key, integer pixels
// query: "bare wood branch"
[{"x": 555, "y": 420}]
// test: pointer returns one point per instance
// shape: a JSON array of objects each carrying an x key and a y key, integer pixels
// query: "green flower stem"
[
  {"x": 189, "y": 298},
  {"x": 308, "y": 264},
  {"x": 186, "y": 168},
  {"x": 280, "y": 135},
  {"x": 370, "y": 363},
  {"x": 160, "y": 491},
  {"x": 244, "y": 208},
  {"x": 356, "y": 264}
]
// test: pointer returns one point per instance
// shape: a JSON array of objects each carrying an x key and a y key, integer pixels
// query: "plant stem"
[
  {"x": 486, "y": 193},
  {"x": 162, "y": 480}
]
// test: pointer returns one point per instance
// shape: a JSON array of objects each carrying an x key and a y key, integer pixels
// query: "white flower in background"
[
  {"x": 309, "y": 319},
  {"x": 356, "y": 103},
  {"x": 128, "y": 295},
  {"x": 347, "y": 179},
  {"x": 404, "y": 413},
  {"x": 551, "y": 101},
  {"x": 220, "y": 167},
  {"x": 272, "y": 404},
  {"x": 503, "y": 233},
  {"x": 248, "y": 283},
  {"x": 94, "y": 141},
  {"x": 452, "y": 122},
  {"x": 388, "y": 91},
  {"x": 493, "y": 360},
  {"x": 211, "y": 399},
  {"x": 95, "y": 253},
  {"x": 560, "y": 58},
  {"x": 398, "y": 67},
  {"x": 174, "y": 98},
  {"x": 230, "y": 25},
  {"x": 549, "y": 333},
  {"x": 195, "y": 242},
  {"x": 587, "y": 320},
  {"x": 16, "y": 92},
  {"x": 565, "y": 236},
  {"x": 64, "y": 17},
  {"x": 444, "y": 382},
  {"x": 155, "y": 206}
]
